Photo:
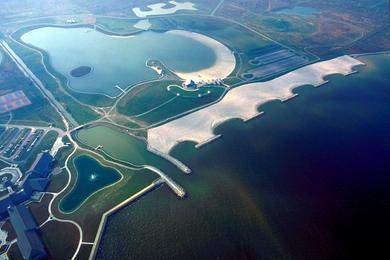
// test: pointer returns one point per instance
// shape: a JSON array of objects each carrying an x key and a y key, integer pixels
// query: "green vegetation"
[
  {"x": 180, "y": 105},
  {"x": 145, "y": 97},
  {"x": 69, "y": 239},
  {"x": 39, "y": 111},
  {"x": 152, "y": 102},
  {"x": 198, "y": 93},
  {"x": 121, "y": 26},
  {"x": 282, "y": 23},
  {"x": 33, "y": 60},
  {"x": 233, "y": 35}
]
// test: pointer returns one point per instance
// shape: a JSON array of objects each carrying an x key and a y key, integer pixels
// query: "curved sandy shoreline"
[
  {"x": 243, "y": 102},
  {"x": 224, "y": 64},
  {"x": 161, "y": 9}
]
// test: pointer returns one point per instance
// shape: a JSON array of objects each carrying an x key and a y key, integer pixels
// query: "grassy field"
[
  {"x": 180, "y": 105},
  {"x": 39, "y": 209},
  {"x": 152, "y": 102},
  {"x": 198, "y": 93},
  {"x": 234, "y": 36},
  {"x": 60, "y": 244},
  {"x": 40, "y": 111},
  {"x": 122, "y": 26},
  {"x": 335, "y": 26},
  {"x": 145, "y": 97},
  {"x": 33, "y": 60}
]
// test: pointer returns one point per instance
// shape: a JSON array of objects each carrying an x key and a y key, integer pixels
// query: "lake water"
[
  {"x": 123, "y": 147},
  {"x": 91, "y": 176},
  {"x": 117, "y": 60},
  {"x": 299, "y": 11},
  {"x": 308, "y": 180}
]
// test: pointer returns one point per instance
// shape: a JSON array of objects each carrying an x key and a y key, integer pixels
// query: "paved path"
[
  {"x": 217, "y": 7},
  {"x": 46, "y": 93}
]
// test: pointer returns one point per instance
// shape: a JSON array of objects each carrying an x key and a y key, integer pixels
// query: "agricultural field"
[{"x": 318, "y": 27}]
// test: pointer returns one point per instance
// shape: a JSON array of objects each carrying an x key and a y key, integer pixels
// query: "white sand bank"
[
  {"x": 224, "y": 64},
  {"x": 242, "y": 102},
  {"x": 160, "y": 9},
  {"x": 143, "y": 25}
]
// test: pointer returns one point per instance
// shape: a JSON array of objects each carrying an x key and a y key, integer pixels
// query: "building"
[
  {"x": 28, "y": 240},
  {"x": 5, "y": 202},
  {"x": 190, "y": 84},
  {"x": 37, "y": 180},
  {"x": 42, "y": 166}
]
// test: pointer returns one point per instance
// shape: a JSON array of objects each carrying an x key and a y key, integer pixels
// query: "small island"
[{"x": 80, "y": 71}]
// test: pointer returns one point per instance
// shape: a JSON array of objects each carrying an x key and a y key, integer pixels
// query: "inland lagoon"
[
  {"x": 121, "y": 146},
  {"x": 300, "y": 182},
  {"x": 119, "y": 62},
  {"x": 91, "y": 177}
]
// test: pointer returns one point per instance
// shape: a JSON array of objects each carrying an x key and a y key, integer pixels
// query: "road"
[
  {"x": 217, "y": 7},
  {"x": 46, "y": 93}
]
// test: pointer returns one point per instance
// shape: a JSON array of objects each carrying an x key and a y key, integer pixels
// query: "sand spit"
[
  {"x": 242, "y": 102},
  {"x": 161, "y": 9},
  {"x": 224, "y": 64},
  {"x": 143, "y": 25}
]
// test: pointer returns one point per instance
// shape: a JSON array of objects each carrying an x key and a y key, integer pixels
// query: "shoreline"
[
  {"x": 243, "y": 102},
  {"x": 224, "y": 64}
]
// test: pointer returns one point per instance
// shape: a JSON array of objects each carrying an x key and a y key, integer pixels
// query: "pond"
[{"x": 91, "y": 177}]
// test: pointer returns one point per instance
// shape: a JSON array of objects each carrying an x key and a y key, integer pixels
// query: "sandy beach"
[
  {"x": 242, "y": 102},
  {"x": 161, "y": 9},
  {"x": 225, "y": 61}
]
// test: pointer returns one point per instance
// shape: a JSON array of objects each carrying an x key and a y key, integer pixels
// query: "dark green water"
[
  {"x": 308, "y": 180},
  {"x": 91, "y": 177}
]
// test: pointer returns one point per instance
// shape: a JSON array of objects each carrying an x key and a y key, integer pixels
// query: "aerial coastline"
[
  {"x": 114, "y": 110},
  {"x": 242, "y": 102}
]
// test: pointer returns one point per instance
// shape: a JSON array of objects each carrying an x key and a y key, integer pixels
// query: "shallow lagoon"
[
  {"x": 118, "y": 60},
  {"x": 91, "y": 177}
]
